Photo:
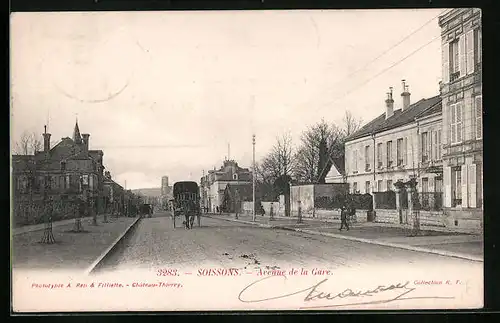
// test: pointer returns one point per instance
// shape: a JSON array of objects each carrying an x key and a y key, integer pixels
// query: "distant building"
[
  {"x": 213, "y": 184},
  {"x": 461, "y": 93}
]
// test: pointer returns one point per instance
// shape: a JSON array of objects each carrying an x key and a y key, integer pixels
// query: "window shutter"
[
  {"x": 478, "y": 105},
  {"x": 464, "y": 185},
  {"x": 447, "y": 186},
  {"x": 470, "y": 51},
  {"x": 405, "y": 150},
  {"x": 462, "y": 55},
  {"x": 472, "y": 185},
  {"x": 446, "y": 62},
  {"x": 453, "y": 123},
  {"x": 479, "y": 44},
  {"x": 459, "y": 128}
]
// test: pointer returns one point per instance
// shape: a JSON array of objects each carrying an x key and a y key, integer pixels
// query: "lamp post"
[{"x": 253, "y": 178}]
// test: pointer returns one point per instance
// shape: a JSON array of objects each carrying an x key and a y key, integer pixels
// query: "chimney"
[
  {"x": 85, "y": 142},
  {"x": 389, "y": 104},
  {"x": 46, "y": 140},
  {"x": 406, "y": 96}
]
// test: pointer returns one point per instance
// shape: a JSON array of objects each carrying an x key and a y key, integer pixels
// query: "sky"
[{"x": 164, "y": 93}]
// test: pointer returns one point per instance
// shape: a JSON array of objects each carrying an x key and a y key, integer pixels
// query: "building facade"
[
  {"x": 396, "y": 146},
  {"x": 213, "y": 184},
  {"x": 60, "y": 174},
  {"x": 461, "y": 93}
]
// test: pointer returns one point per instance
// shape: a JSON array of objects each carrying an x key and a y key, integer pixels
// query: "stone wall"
[{"x": 386, "y": 216}]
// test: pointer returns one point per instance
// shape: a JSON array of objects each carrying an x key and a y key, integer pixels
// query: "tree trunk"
[{"x": 48, "y": 235}]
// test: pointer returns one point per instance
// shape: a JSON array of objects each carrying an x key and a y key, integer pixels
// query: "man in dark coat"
[{"x": 344, "y": 210}]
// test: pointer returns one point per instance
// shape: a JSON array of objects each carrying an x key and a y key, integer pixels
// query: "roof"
[
  {"x": 339, "y": 163},
  {"x": 400, "y": 118}
]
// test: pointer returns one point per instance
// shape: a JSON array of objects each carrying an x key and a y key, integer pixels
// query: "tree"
[
  {"x": 278, "y": 166},
  {"x": 28, "y": 144},
  {"x": 351, "y": 124},
  {"x": 26, "y": 170},
  {"x": 319, "y": 145}
]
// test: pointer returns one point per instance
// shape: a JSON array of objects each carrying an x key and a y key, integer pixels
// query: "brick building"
[
  {"x": 461, "y": 93},
  {"x": 60, "y": 174}
]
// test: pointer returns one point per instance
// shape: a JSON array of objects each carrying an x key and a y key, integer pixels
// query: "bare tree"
[
  {"x": 320, "y": 144},
  {"x": 278, "y": 166},
  {"x": 28, "y": 144},
  {"x": 351, "y": 124}
]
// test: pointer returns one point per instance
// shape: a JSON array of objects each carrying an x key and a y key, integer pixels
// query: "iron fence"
[
  {"x": 428, "y": 201},
  {"x": 385, "y": 200}
]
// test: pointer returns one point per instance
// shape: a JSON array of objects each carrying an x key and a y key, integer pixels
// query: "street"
[{"x": 155, "y": 243}]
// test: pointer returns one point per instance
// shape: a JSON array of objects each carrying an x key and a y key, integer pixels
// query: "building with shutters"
[
  {"x": 213, "y": 184},
  {"x": 396, "y": 146},
  {"x": 461, "y": 94}
]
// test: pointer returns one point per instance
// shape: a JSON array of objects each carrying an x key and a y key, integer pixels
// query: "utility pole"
[{"x": 253, "y": 177}]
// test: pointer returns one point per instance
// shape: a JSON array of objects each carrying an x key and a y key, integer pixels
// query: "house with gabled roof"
[
  {"x": 65, "y": 172},
  {"x": 398, "y": 145}
]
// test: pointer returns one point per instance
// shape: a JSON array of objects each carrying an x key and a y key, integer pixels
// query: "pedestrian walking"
[{"x": 343, "y": 217}]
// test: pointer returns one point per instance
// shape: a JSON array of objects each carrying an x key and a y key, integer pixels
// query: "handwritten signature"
[{"x": 313, "y": 293}]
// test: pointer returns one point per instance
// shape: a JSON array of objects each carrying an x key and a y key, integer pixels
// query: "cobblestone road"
[{"x": 155, "y": 243}]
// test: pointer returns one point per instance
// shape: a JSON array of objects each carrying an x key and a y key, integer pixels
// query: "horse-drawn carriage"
[
  {"x": 186, "y": 203},
  {"x": 146, "y": 210}
]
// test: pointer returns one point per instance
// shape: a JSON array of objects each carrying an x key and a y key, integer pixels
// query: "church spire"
[{"x": 77, "y": 138}]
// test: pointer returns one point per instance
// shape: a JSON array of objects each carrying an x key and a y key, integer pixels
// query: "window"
[
  {"x": 235, "y": 176},
  {"x": 456, "y": 122},
  {"x": 354, "y": 187},
  {"x": 389, "y": 185},
  {"x": 389, "y": 154},
  {"x": 425, "y": 143},
  {"x": 456, "y": 186},
  {"x": 367, "y": 158},
  {"x": 399, "y": 151},
  {"x": 438, "y": 184},
  {"x": 85, "y": 179},
  {"x": 454, "y": 60},
  {"x": 367, "y": 187},
  {"x": 478, "y": 107},
  {"x": 379, "y": 186},
  {"x": 379, "y": 155},
  {"x": 425, "y": 185},
  {"x": 63, "y": 165}
]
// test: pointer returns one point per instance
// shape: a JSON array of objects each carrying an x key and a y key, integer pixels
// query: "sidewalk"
[
  {"x": 71, "y": 250},
  {"x": 447, "y": 243},
  {"x": 41, "y": 226}
]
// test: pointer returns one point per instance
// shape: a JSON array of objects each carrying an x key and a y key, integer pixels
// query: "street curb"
[
  {"x": 111, "y": 248},
  {"x": 369, "y": 241},
  {"x": 395, "y": 245},
  {"x": 240, "y": 221}
]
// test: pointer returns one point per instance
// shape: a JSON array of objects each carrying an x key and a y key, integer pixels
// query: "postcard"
[{"x": 246, "y": 160}]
